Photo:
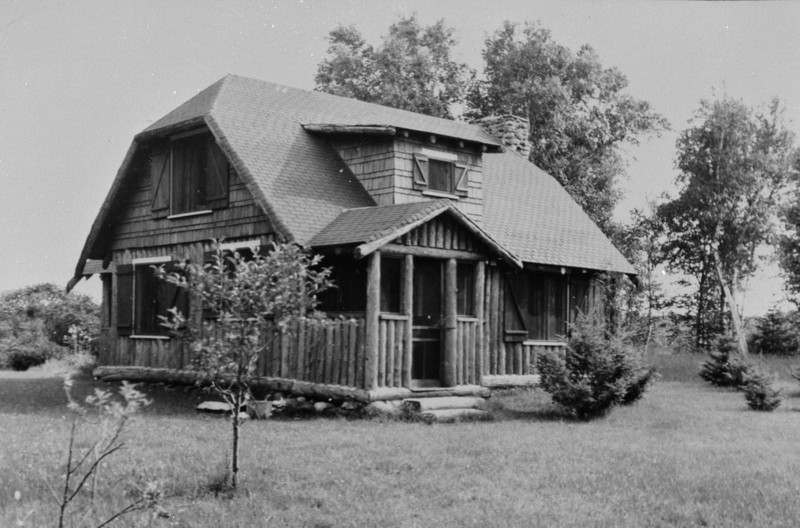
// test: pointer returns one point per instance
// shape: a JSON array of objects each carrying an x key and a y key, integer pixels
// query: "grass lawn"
[{"x": 687, "y": 455}]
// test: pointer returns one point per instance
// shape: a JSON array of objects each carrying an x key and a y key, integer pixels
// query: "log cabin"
[{"x": 456, "y": 260}]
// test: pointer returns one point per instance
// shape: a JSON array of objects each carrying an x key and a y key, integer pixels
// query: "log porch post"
[
  {"x": 408, "y": 310},
  {"x": 450, "y": 327},
  {"x": 372, "y": 320},
  {"x": 480, "y": 349}
]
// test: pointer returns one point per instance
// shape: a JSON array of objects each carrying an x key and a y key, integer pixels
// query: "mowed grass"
[{"x": 687, "y": 455}]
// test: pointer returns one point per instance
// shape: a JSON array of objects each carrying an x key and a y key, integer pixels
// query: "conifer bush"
[
  {"x": 726, "y": 368},
  {"x": 760, "y": 393},
  {"x": 594, "y": 375},
  {"x": 775, "y": 335}
]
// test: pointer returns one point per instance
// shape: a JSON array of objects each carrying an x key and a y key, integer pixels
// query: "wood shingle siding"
[{"x": 137, "y": 227}]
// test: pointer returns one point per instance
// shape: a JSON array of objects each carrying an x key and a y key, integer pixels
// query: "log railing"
[
  {"x": 394, "y": 351},
  {"x": 468, "y": 370}
]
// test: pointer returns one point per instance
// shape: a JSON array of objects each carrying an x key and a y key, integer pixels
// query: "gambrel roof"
[{"x": 303, "y": 186}]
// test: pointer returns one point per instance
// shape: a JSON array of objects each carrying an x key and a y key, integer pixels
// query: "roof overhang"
[{"x": 491, "y": 145}]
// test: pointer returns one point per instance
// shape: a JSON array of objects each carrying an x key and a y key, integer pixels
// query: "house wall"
[{"x": 135, "y": 226}]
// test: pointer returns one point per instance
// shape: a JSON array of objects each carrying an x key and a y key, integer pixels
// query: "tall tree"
[
  {"x": 412, "y": 69},
  {"x": 578, "y": 111},
  {"x": 734, "y": 163}
]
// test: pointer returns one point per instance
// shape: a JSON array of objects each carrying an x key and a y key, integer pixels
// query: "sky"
[{"x": 79, "y": 78}]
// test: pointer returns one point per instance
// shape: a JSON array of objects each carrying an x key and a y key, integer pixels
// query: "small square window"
[{"x": 440, "y": 176}]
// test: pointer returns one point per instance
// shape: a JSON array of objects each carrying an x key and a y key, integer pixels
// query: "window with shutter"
[
  {"x": 540, "y": 306},
  {"x": 142, "y": 298},
  {"x": 191, "y": 175},
  {"x": 438, "y": 172}
]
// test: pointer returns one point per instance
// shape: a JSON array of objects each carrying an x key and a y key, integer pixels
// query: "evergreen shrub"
[
  {"x": 760, "y": 393},
  {"x": 726, "y": 368},
  {"x": 594, "y": 375}
]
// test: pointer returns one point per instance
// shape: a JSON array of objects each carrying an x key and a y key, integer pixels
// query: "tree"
[
  {"x": 734, "y": 164},
  {"x": 775, "y": 334},
  {"x": 253, "y": 301},
  {"x": 579, "y": 114},
  {"x": 412, "y": 69}
]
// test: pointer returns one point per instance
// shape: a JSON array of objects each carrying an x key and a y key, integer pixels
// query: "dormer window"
[
  {"x": 189, "y": 176},
  {"x": 438, "y": 173}
]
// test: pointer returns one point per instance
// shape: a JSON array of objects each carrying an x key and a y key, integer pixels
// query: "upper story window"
[
  {"x": 189, "y": 175},
  {"x": 439, "y": 173}
]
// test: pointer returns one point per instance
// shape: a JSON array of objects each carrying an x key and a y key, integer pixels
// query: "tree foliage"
[
  {"x": 253, "y": 301},
  {"x": 578, "y": 111},
  {"x": 412, "y": 69},
  {"x": 734, "y": 163}
]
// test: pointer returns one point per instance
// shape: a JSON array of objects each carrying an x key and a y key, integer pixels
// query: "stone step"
[
  {"x": 421, "y": 405},
  {"x": 454, "y": 415}
]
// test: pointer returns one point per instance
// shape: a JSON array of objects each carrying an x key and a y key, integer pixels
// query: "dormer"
[
  {"x": 401, "y": 165},
  {"x": 397, "y": 165}
]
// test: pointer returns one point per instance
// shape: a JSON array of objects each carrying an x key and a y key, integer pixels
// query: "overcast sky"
[{"x": 79, "y": 78}]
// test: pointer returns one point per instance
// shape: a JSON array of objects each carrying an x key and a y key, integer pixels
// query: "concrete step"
[
  {"x": 421, "y": 405},
  {"x": 454, "y": 415}
]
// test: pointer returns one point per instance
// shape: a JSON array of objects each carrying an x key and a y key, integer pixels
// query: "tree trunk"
[
  {"x": 735, "y": 321},
  {"x": 235, "y": 447}
]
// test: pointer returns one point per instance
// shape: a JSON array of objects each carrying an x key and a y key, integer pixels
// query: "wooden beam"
[
  {"x": 408, "y": 309},
  {"x": 428, "y": 252},
  {"x": 372, "y": 320},
  {"x": 450, "y": 326},
  {"x": 480, "y": 349},
  {"x": 371, "y": 130}
]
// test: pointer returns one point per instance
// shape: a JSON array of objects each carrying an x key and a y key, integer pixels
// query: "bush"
[
  {"x": 26, "y": 353},
  {"x": 726, "y": 368},
  {"x": 760, "y": 393},
  {"x": 594, "y": 375}
]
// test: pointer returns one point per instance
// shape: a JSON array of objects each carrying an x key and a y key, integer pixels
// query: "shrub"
[
  {"x": 25, "y": 358},
  {"x": 30, "y": 351},
  {"x": 726, "y": 368},
  {"x": 594, "y": 374},
  {"x": 760, "y": 392}
]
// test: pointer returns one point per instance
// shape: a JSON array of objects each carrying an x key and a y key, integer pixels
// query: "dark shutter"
[
  {"x": 159, "y": 181},
  {"x": 124, "y": 299},
  {"x": 420, "y": 171},
  {"x": 217, "y": 176},
  {"x": 208, "y": 312},
  {"x": 514, "y": 323}
]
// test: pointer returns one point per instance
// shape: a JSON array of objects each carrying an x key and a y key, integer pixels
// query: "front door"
[{"x": 426, "y": 361}]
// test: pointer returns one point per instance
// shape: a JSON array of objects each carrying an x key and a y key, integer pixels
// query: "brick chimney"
[{"x": 511, "y": 130}]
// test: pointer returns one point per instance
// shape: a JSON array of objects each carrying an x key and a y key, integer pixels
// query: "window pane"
[
  {"x": 154, "y": 298},
  {"x": 391, "y": 285},
  {"x": 465, "y": 284},
  {"x": 440, "y": 175}
]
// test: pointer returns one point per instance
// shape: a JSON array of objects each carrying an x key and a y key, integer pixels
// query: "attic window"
[
  {"x": 189, "y": 175},
  {"x": 439, "y": 173}
]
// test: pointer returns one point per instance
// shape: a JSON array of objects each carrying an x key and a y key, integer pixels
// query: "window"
[
  {"x": 440, "y": 176},
  {"x": 465, "y": 288},
  {"x": 391, "y": 285},
  {"x": 349, "y": 290},
  {"x": 439, "y": 172},
  {"x": 189, "y": 175},
  {"x": 540, "y": 306},
  {"x": 142, "y": 298}
]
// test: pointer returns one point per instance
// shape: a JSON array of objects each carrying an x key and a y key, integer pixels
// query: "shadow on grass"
[{"x": 36, "y": 392}]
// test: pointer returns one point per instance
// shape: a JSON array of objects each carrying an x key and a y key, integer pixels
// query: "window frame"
[{"x": 458, "y": 185}]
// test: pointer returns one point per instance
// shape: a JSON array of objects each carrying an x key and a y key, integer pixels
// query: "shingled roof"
[
  {"x": 304, "y": 187},
  {"x": 372, "y": 227},
  {"x": 527, "y": 211}
]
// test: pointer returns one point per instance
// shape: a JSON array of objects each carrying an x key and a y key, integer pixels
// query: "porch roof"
[{"x": 370, "y": 228}]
